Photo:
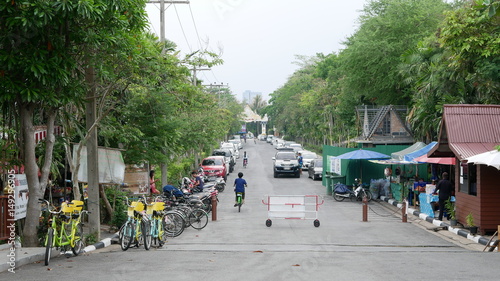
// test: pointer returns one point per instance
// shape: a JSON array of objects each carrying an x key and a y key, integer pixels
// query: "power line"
[
  {"x": 195, "y": 27},
  {"x": 182, "y": 29}
]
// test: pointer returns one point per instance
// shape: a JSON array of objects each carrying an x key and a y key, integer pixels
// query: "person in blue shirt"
[
  {"x": 197, "y": 181},
  {"x": 239, "y": 186},
  {"x": 301, "y": 162}
]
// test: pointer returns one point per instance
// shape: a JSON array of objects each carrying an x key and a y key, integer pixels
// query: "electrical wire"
[
  {"x": 182, "y": 29},
  {"x": 195, "y": 27}
]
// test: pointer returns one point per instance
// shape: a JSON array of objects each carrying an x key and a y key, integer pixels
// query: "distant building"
[{"x": 248, "y": 96}]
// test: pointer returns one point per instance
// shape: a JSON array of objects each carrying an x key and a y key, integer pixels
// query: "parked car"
[
  {"x": 228, "y": 157},
  {"x": 215, "y": 166},
  {"x": 237, "y": 142},
  {"x": 269, "y": 138},
  {"x": 307, "y": 157},
  {"x": 262, "y": 137},
  {"x": 233, "y": 147},
  {"x": 315, "y": 170},
  {"x": 278, "y": 143},
  {"x": 285, "y": 162},
  {"x": 296, "y": 147}
]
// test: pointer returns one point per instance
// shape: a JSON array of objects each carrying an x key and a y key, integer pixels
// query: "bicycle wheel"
[
  {"x": 146, "y": 234},
  {"x": 173, "y": 225},
  {"x": 239, "y": 207},
  {"x": 158, "y": 231},
  {"x": 78, "y": 240},
  {"x": 198, "y": 218},
  {"x": 126, "y": 235},
  {"x": 48, "y": 245},
  {"x": 338, "y": 197}
]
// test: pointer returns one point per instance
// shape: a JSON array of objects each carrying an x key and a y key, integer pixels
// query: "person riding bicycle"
[
  {"x": 239, "y": 187},
  {"x": 245, "y": 159}
]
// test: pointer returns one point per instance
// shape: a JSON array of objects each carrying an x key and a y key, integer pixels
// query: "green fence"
[{"x": 366, "y": 170}]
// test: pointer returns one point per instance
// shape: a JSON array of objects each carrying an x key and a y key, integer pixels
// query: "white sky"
[{"x": 259, "y": 38}]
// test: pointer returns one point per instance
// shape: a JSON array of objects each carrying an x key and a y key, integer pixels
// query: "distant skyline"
[{"x": 258, "y": 39}]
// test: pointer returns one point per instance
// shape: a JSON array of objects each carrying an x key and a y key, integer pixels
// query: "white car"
[
  {"x": 307, "y": 157},
  {"x": 296, "y": 147},
  {"x": 233, "y": 147},
  {"x": 278, "y": 143},
  {"x": 237, "y": 142}
]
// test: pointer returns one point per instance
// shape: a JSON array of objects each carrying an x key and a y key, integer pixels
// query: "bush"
[{"x": 116, "y": 199}]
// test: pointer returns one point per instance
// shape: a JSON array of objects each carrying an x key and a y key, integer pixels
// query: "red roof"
[{"x": 468, "y": 129}]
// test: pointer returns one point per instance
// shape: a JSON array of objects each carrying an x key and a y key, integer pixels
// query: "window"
[{"x": 468, "y": 178}]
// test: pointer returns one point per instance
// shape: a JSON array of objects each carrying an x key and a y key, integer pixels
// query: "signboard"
[
  {"x": 137, "y": 179},
  {"x": 335, "y": 165},
  {"x": 21, "y": 194},
  {"x": 111, "y": 165}
]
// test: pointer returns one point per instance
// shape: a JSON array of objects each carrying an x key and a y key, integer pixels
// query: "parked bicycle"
[
  {"x": 65, "y": 229},
  {"x": 137, "y": 227},
  {"x": 156, "y": 214}
]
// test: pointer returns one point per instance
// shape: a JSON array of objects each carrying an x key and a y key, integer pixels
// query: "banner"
[
  {"x": 21, "y": 194},
  {"x": 335, "y": 165},
  {"x": 137, "y": 179},
  {"x": 111, "y": 165}
]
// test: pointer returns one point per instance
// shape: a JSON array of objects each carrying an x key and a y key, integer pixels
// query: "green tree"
[
  {"x": 387, "y": 29},
  {"x": 42, "y": 46}
]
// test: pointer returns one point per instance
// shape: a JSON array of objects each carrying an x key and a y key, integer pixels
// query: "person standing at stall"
[{"x": 445, "y": 188}]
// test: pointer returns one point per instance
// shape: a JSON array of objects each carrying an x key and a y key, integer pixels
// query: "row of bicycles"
[
  {"x": 152, "y": 221},
  {"x": 65, "y": 228}
]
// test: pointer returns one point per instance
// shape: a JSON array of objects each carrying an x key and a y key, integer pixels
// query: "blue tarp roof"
[
  {"x": 410, "y": 156},
  {"x": 399, "y": 155}
]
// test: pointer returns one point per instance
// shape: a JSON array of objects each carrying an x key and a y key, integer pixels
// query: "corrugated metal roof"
[
  {"x": 472, "y": 123},
  {"x": 471, "y": 128}
]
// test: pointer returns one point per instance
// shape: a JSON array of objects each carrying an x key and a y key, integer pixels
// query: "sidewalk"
[
  {"x": 483, "y": 240},
  {"x": 26, "y": 255}
]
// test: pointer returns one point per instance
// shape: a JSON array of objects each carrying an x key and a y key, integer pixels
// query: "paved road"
[{"x": 240, "y": 246}]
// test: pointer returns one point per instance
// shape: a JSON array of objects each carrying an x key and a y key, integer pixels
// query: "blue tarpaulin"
[{"x": 423, "y": 151}]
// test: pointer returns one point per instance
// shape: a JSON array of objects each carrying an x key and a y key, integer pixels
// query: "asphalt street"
[{"x": 239, "y": 246}]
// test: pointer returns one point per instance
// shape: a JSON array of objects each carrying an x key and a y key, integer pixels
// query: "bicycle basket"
[
  {"x": 135, "y": 206},
  {"x": 157, "y": 206},
  {"x": 65, "y": 208},
  {"x": 77, "y": 205}
]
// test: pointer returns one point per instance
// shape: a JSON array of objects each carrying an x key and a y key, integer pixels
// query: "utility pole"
[
  {"x": 163, "y": 166},
  {"x": 162, "y": 13},
  {"x": 92, "y": 155}
]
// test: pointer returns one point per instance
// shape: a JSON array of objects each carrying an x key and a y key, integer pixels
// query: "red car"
[{"x": 215, "y": 166}]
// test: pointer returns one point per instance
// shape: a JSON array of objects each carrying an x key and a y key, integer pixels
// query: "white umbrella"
[{"x": 490, "y": 158}]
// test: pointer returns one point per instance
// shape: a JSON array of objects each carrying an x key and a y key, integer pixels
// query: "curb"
[
  {"x": 41, "y": 256},
  {"x": 458, "y": 231},
  {"x": 102, "y": 244}
]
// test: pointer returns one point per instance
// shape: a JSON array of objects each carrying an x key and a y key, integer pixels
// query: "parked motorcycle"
[{"x": 341, "y": 192}]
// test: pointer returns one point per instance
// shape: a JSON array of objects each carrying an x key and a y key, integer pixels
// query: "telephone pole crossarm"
[{"x": 167, "y": 2}]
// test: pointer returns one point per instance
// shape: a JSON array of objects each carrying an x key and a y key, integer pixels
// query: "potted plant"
[
  {"x": 470, "y": 223},
  {"x": 450, "y": 209}
]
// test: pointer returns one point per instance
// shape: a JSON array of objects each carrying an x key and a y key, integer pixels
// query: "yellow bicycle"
[
  {"x": 137, "y": 227},
  {"x": 65, "y": 229}
]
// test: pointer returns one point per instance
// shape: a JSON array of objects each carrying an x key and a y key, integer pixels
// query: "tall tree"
[
  {"x": 42, "y": 46},
  {"x": 372, "y": 55}
]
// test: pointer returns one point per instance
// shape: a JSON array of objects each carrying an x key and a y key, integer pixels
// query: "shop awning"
[
  {"x": 436, "y": 160},
  {"x": 422, "y": 151},
  {"x": 399, "y": 155}
]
